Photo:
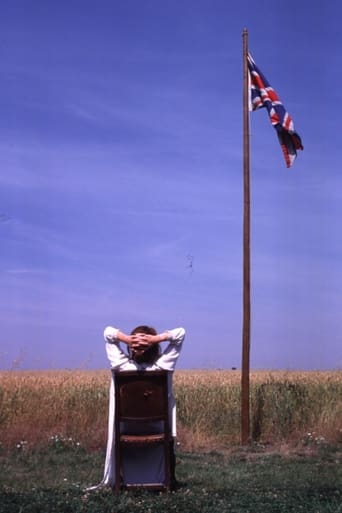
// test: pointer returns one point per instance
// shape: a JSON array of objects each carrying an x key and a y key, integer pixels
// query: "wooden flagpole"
[{"x": 246, "y": 323}]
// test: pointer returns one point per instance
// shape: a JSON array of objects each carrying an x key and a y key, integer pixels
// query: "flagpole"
[{"x": 246, "y": 323}]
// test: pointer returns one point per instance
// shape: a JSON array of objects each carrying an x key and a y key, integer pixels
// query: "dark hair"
[
  {"x": 151, "y": 353},
  {"x": 144, "y": 329}
]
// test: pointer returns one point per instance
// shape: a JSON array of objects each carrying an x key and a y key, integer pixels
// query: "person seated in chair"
[{"x": 144, "y": 353}]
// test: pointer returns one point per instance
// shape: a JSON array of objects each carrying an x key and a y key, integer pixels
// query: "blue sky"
[{"x": 121, "y": 181}]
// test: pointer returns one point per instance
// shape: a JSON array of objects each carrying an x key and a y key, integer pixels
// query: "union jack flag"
[{"x": 263, "y": 95}]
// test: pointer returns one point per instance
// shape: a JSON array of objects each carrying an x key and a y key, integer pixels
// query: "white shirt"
[{"x": 119, "y": 361}]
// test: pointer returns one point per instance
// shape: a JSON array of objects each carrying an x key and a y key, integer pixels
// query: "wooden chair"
[{"x": 142, "y": 426}]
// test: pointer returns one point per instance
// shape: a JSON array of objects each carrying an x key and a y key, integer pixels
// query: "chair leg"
[
  {"x": 117, "y": 486},
  {"x": 172, "y": 463}
]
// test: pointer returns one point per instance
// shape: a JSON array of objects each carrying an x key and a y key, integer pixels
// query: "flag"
[{"x": 263, "y": 95}]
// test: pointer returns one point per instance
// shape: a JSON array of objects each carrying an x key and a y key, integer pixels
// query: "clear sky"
[{"x": 121, "y": 196}]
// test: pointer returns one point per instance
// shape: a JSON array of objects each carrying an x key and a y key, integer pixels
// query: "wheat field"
[{"x": 72, "y": 405}]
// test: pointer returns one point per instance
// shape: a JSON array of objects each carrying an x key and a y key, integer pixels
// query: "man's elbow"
[
  {"x": 110, "y": 334},
  {"x": 178, "y": 335}
]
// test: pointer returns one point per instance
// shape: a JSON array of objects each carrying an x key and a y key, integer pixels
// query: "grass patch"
[{"x": 53, "y": 480}]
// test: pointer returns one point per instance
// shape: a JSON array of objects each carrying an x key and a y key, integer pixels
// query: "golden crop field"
[{"x": 291, "y": 407}]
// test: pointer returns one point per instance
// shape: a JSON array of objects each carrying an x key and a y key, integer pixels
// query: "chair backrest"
[{"x": 141, "y": 396}]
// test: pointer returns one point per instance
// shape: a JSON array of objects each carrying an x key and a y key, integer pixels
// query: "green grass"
[{"x": 53, "y": 480}]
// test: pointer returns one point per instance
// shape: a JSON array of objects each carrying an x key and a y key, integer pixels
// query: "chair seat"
[{"x": 142, "y": 439}]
